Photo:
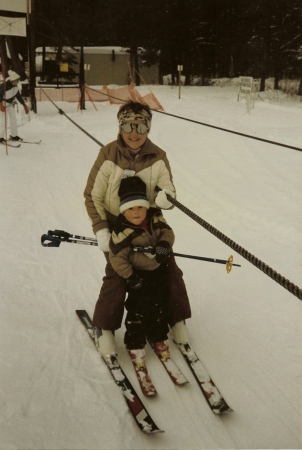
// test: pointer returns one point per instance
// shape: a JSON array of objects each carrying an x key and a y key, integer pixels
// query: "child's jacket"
[{"x": 126, "y": 236}]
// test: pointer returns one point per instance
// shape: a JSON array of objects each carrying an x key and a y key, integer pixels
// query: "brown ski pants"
[{"x": 109, "y": 309}]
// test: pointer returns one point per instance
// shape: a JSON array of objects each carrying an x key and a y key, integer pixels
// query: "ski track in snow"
[{"x": 56, "y": 392}]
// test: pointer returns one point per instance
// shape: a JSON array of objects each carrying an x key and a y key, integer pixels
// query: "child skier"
[{"x": 138, "y": 225}]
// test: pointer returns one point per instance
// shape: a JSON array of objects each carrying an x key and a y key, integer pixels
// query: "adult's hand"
[
  {"x": 161, "y": 199},
  {"x": 103, "y": 238}
]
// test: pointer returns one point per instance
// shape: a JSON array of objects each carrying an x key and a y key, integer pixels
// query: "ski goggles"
[{"x": 140, "y": 128}]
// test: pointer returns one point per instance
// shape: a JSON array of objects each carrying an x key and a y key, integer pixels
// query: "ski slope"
[{"x": 56, "y": 392}]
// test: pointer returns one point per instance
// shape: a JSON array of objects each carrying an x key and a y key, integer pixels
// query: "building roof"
[{"x": 87, "y": 50}]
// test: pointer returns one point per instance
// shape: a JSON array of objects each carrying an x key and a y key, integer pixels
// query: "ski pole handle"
[
  {"x": 54, "y": 239},
  {"x": 60, "y": 235},
  {"x": 50, "y": 241}
]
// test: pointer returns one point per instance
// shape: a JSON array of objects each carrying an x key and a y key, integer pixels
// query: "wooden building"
[{"x": 102, "y": 66}]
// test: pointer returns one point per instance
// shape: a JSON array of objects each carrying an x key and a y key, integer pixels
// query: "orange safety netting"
[{"x": 117, "y": 95}]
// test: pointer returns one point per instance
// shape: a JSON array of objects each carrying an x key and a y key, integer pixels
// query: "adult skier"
[
  {"x": 132, "y": 152},
  {"x": 9, "y": 93}
]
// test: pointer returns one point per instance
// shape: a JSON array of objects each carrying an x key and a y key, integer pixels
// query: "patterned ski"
[
  {"x": 141, "y": 371},
  {"x": 136, "y": 407},
  {"x": 161, "y": 349},
  {"x": 210, "y": 391}
]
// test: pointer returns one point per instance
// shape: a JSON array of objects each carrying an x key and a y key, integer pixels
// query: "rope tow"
[
  {"x": 82, "y": 129},
  {"x": 234, "y": 132},
  {"x": 212, "y": 126},
  {"x": 182, "y": 118},
  {"x": 292, "y": 288}
]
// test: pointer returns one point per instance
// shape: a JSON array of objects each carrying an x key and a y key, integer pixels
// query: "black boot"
[{"x": 15, "y": 138}]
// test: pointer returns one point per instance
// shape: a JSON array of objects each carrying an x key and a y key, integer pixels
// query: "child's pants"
[
  {"x": 11, "y": 115},
  {"x": 147, "y": 307},
  {"x": 109, "y": 309}
]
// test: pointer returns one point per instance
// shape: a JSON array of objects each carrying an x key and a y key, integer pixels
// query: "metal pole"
[
  {"x": 31, "y": 54},
  {"x": 5, "y": 114},
  {"x": 82, "y": 80}
]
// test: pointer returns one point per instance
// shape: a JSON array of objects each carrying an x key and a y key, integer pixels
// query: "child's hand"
[
  {"x": 162, "y": 250},
  {"x": 150, "y": 254},
  {"x": 134, "y": 281}
]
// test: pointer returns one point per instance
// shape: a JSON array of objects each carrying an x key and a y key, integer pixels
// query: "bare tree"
[
  {"x": 3, "y": 53},
  {"x": 13, "y": 50}
]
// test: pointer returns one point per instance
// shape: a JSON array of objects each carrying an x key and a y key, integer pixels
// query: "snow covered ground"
[{"x": 56, "y": 392}]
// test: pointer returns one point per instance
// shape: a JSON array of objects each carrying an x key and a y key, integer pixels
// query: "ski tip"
[
  {"x": 182, "y": 382},
  {"x": 150, "y": 394},
  {"x": 81, "y": 312},
  {"x": 153, "y": 431},
  {"x": 224, "y": 409}
]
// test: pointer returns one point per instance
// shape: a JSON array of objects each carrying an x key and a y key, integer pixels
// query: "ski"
[
  {"x": 141, "y": 371},
  {"x": 210, "y": 391},
  {"x": 136, "y": 407},
  {"x": 10, "y": 145},
  {"x": 26, "y": 142},
  {"x": 31, "y": 142},
  {"x": 161, "y": 349}
]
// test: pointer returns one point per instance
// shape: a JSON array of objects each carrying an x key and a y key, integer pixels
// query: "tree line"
[{"x": 210, "y": 38}]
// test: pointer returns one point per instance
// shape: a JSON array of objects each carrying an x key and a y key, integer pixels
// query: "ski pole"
[
  {"x": 229, "y": 263},
  {"x": 291, "y": 287},
  {"x": 54, "y": 239}
]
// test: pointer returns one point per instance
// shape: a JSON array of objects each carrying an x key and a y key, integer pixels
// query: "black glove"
[
  {"x": 134, "y": 281},
  {"x": 162, "y": 250}
]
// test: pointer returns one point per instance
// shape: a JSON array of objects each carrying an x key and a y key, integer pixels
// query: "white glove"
[
  {"x": 161, "y": 199},
  {"x": 103, "y": 237}
]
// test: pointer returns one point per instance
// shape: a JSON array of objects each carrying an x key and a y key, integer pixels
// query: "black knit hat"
[{"x": 132, "y": 192}]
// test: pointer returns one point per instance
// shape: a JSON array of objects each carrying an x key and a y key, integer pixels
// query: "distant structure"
[{"x": 102, "y": 66}]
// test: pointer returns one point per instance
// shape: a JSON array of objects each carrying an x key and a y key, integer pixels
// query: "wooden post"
[
  {"x": 86, "y": 69},
  {"x": 179, "y": 68}
]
